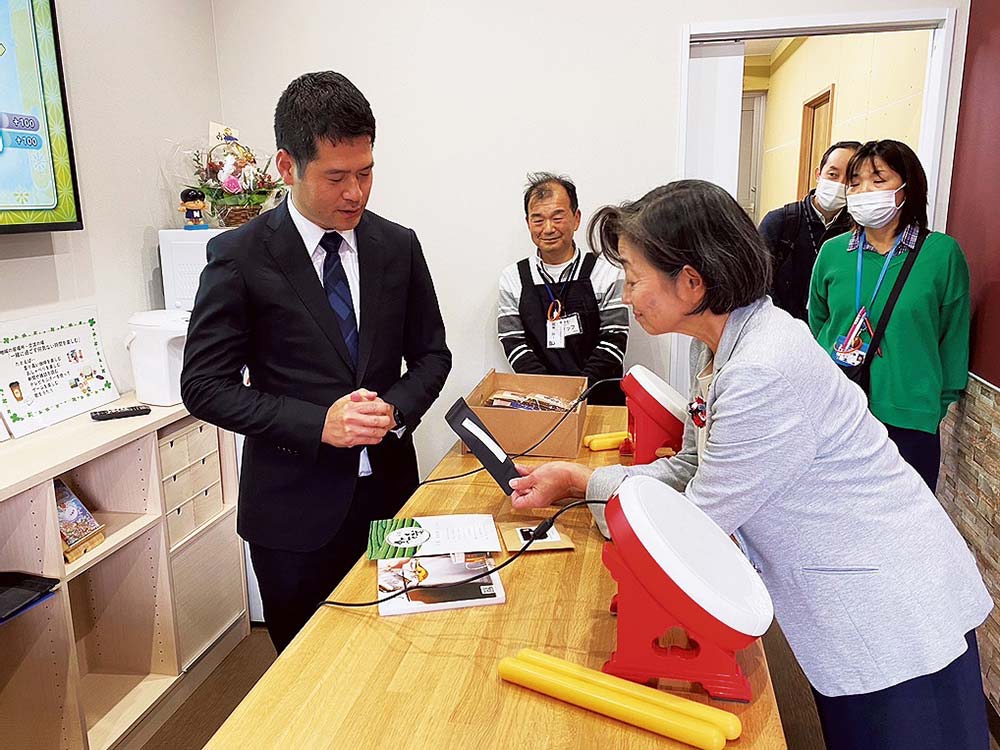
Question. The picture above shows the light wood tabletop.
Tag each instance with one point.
(352, 679)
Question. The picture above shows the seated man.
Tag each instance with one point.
(795, 232)
(561, 311)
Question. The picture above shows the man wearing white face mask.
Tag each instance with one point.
(890, 302)
(795, 232)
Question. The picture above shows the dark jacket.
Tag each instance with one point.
(261, 304)
(794, 234)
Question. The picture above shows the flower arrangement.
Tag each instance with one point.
(234, 184)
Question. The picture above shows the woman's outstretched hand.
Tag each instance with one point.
(544, 485)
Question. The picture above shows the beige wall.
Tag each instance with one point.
(756, 73)
(470, 96)
(879, 80)
(137, 74)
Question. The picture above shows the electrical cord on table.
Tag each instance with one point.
(544, 437)
(539, 533)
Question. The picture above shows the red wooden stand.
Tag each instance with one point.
(651, 426)
(644, 616)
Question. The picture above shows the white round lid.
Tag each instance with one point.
(162, 320)
(661, 390)
(697, 554)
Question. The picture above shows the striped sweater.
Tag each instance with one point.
(608, 281)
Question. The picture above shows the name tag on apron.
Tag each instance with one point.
(557, 330)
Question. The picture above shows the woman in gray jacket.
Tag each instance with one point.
(873, 586)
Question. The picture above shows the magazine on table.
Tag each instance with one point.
(425, 578)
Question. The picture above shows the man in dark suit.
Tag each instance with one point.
(323, 301)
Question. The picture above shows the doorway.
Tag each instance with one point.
(710, 138)
(707, 55)
(751, 153)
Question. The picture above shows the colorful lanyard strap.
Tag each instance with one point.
(555, 301)
(885, 267)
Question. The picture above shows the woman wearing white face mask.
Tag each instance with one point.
(920, 362)
(795, 232)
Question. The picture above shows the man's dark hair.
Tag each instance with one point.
(691, 223)
(192, 194)
(323, 105)
(901, 160)
(541, 184)
(852, 145)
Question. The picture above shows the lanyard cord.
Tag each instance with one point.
(565, 282)
(885, 267)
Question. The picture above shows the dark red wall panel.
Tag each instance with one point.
(974, 209)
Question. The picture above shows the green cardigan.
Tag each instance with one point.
(925, 362)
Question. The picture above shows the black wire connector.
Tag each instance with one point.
(540, 532)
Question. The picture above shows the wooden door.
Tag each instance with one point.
(817, 124)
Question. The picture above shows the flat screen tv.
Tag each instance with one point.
(38, 187)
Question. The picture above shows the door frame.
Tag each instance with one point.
(826, 96)
(942, 90)
(759, 113)
(942, 87)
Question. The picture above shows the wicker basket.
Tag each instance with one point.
(233, 216)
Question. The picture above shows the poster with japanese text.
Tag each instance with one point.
(51, 368)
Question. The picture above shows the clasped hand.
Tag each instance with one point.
(359, 418)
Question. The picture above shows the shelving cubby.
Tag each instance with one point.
(136, 623)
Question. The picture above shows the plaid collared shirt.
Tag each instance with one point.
(910, 236)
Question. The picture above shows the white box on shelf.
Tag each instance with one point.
(182, 257)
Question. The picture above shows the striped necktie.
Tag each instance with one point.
(338, 292)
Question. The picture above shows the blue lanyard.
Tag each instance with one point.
(881, 276)
(543, 274)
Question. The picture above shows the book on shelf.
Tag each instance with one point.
(79, 530)
(426, 580)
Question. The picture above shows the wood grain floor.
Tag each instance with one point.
(203, 713)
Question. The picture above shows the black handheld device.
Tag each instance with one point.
(483, 445)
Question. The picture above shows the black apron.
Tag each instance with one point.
(577, 297)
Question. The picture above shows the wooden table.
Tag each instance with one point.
(354, 680)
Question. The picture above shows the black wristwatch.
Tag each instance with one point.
(398, 416)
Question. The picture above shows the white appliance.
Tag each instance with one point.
(182, 257)
(253, 589)
(156, 346)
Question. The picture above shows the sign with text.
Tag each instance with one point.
(51, 368)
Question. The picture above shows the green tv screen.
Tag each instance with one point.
(38, 189)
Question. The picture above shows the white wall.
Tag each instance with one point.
(468, 96)
(471, 96)
(137, 74)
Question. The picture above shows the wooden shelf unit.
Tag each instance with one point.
(136, 623)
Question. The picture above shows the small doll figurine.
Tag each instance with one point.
(192, 204)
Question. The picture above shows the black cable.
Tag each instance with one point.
(545, 437)
(541, 530)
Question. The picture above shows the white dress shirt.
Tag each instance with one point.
(311, 235)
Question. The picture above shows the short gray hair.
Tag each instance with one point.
(540, 186)
(691, 223)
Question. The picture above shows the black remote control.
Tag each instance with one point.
(125, 411)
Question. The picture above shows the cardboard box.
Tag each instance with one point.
(517, 430)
